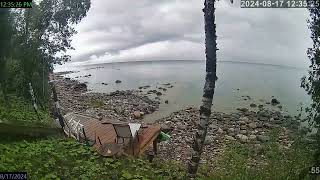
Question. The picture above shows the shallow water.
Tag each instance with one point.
(259, 81)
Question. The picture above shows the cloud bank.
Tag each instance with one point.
(126, 30)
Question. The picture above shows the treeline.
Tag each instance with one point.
(32, 41)
(311, 83)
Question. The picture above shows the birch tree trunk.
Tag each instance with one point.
(208, 90)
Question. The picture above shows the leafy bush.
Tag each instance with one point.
(67, 159)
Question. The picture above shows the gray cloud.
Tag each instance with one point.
(123, 30)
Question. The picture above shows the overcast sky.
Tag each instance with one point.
(126, 30)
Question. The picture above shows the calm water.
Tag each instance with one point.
(258, 81)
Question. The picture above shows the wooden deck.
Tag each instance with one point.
(104, 130)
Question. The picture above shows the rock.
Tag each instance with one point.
(243, 109)
(104, 83)
(118, 81)
(164, 89)
(220, 131)
(280, 107)
(243, 127)
(136, 114)
(213, 126)
(209, 140)
(252, 125)
(258, 148)
(80, 87)
(166, 101)
(260, 106)
(274, 101)
(263, 118)
(158, 93)
(231, 130)
(253, 105)
(157, 98)
(252, 137)
(230, 138)
(267, 125)
(263, 138)
(141, 113)
(242, 138)
(243, 131)
(243, 119)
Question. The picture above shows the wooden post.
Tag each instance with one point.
(155, 146)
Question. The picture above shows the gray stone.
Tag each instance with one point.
(231, 130)
(243, 127)
(242, 138)
(118, 81)
(252, 125)
(263, 138)
(213, 126)
(209, 140)
(220, 131)
(267, 125)
(230, 138)
(244, 119)
(252, 137)
(243, 132)
(243, 109)
(253, 105)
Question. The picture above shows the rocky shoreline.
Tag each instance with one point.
(247, 126)
(127, 105)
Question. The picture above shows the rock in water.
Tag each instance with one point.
(118, 81)
(80, 87)
(166, 101)
(253, 105)
(274, 101)
(243, 109)
(158, 93)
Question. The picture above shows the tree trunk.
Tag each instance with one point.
(208, 90)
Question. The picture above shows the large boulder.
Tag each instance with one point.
(274, 101)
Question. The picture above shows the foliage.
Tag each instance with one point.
(32, 40)
(240, 162)
(67, 159)
(311, 83)
(21, 112)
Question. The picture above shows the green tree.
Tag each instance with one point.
(311, 83)
(40, 38)
(5, 47)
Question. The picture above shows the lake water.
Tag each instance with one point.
(259, 81)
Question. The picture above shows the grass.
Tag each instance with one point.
(274, 163)
(97, 103)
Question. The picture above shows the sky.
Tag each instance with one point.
(145, 30)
